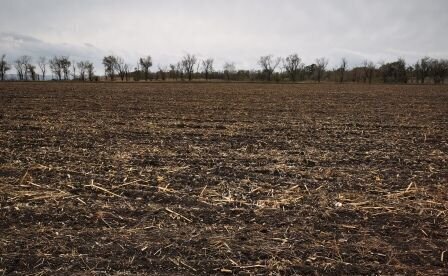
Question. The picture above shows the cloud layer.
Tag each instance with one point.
(238, 31)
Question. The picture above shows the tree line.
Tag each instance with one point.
(278, 69)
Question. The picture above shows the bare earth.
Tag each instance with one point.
(223, 178)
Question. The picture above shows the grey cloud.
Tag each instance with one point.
(232, 30)
(15, 45)
(19, 38)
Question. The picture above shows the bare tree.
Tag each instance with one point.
(292, 65)
(74, 70)
(198, 67)
(188, 62)
(269, 64)
(56, 68)
(207, 66)
(90, 70)
(22, 64)
(438, 70)
(180, 70)
(173, 72)
(383, 70)
(4, 67)
(444, 70)
(19, 69)
(32, 71)
(417, 71)
(137, 72)
(229, 68)
(65, 64)
(60, 66)
(120, 66)
(369, 69)
(424, 66)
(394, 71)
(146, 63)
(42, 63)
(321, 65)
(82, 70)
(127, 71)
(342, 68)
(109, 63)
(161, 73)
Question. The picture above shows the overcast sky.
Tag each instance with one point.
(235, 31)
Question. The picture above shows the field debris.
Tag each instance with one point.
(248, 179)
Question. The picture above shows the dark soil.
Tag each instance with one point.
(247, 179)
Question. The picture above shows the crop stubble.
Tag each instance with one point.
(223, 178)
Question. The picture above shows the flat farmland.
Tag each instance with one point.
(223, 178)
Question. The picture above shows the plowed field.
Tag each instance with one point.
(178, 178)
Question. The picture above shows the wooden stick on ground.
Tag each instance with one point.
(102, 189)
(177, 214)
